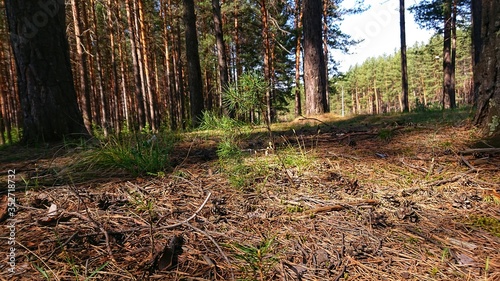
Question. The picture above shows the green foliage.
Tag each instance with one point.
(493, 125)
(429, 14)
(42, 271)
(247, 94)
(489, 224)
(230, 131)
(420, 106)
(136, 154)
(212, 121)
(296, 156)
(380, 79)
(228, 149)
(259, 260)
(240, 176)
(98, 132)
(385, 134)
(434, 271)
(294, 209)
(252, 173)
(13, 138)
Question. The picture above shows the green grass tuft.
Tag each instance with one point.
(136, 154)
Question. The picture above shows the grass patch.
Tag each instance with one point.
(139, 154)
(489, 224)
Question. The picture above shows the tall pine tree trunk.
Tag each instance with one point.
(487, 72)
(453, 102)
(325, 51)
(144, 64)
(193, 60)
(404, 68)
(114, 88)
(104, 103)
(45, 81)
(476, 8)
(448, 86)
(170, 82)
(139, 106)
(267, 59)
(81, 67)
(298, 27)
(123, 75)
(314, 61)
(221, 47)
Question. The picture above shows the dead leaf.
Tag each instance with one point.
(53, 218)
(52, 210)
(463, 259)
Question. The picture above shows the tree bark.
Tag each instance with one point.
(221, 47)
(448, 86)
(476, 8)
(487, 71)
(114, 81)
(314, 61)
(193, 60)
(46, 90)
(81, 66)
(103, 102)
(170, 82)
(404, 67)
(123, 75)
(139, 94)
(144, 64)
(298, 27)
(453, 103)
(326, 4)
(267, 60)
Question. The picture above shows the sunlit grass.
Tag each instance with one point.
(139, 154)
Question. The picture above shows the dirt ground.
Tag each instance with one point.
(374, 202)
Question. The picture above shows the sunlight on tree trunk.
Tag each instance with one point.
(404, 69)
(193, 60)
(487, 72)
(45, 80)
(448, 86)
(314, 61)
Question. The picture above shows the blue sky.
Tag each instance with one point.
(379, 27)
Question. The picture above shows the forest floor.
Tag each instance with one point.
(393, 197)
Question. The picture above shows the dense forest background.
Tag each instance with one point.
(375, 86)
(130, 64)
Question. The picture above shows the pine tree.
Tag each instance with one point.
(45, 80)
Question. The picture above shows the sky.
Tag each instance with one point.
(379, 27)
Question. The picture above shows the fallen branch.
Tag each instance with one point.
(213, 241)
(480, 150)
(344, 156)
(315, 119)
(467, 163)
(165, 226)
(413, 166)
(188, 219)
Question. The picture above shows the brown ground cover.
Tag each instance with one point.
(377, 201)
